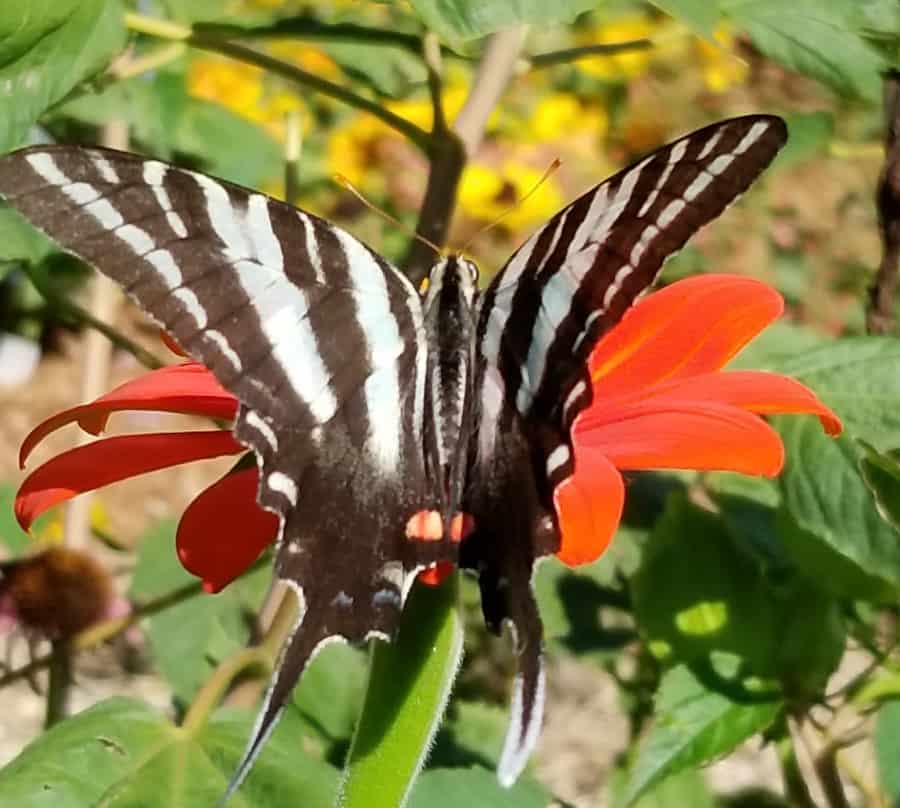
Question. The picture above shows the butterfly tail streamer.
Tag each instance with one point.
(296, 653)
(526, 712)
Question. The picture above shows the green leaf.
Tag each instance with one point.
(452, 788)
(693, 726)
(859, 378)
(700, 16)
(12, 537)
(809, 134)
(818, 39)
(226, 145)
(473, 732)
(190, 639)
(696, 596)
(330, 693)
(570, 600)
(19, 241)
(456, 20)
(828, 520)
(121, 754)
(686, 787)
(390, 71)
(881, 473)
(779, 343)
(152, 107)
(53, 48)
(409, 684)
(887, 749)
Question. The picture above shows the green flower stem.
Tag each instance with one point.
(59, 682)
(569, 55)
(235, 50)
(794, 784)
(409, 683)
(257, 660)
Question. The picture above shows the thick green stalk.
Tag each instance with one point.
(409, 683)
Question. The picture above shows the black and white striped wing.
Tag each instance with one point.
(538, 321)
(576, 276)
(320, 340)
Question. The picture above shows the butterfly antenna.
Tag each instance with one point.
(341, 180)
(551, 170)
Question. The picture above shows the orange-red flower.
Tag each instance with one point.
(661, 400)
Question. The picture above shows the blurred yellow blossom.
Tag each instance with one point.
(626, 64)
(722, 67)
(240, 88)
(487, 194)
(560, 115)
(313, 60)
(234, 84)
(351, 148)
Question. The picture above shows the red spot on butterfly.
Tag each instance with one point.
(425, 526)
(461, 526)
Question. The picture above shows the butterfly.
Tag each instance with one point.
(392, 430)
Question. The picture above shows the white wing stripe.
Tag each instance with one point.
(154, 175)
(675, 156)
(312, 248)
(266, 246)
(104, 168)
(710, 144)
(556, 300)
(755, 133)
(46, 166)
(384, 343)
(222, 218)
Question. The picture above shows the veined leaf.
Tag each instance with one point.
(693, 726)
(121, 753)
(50, 53)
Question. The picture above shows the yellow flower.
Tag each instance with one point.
(626, 64)
(560, 115)
(488, 194)
(240, 88)
(351, 147)
(236, 85)
(722, 68)
(311, 59)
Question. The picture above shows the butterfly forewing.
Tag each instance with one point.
(321, 341)
(577, 275)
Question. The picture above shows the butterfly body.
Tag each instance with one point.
(392, 431)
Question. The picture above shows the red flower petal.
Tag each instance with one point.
(436, 575)
(588, 506)
(756, 391)
(667, 434)
(187, 388)
(110, 460)
(223, 530)
(691, 327)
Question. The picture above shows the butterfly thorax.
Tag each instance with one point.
(449, 309)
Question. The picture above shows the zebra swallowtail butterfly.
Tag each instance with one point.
(380, 418)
